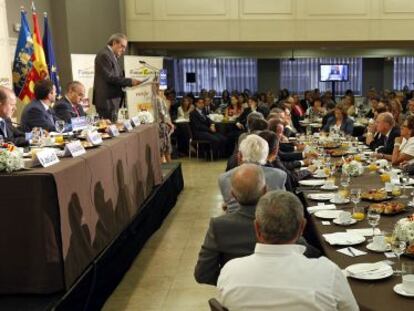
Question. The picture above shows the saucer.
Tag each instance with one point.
(337, 221)
(324, 187)
(371, 247)
(346, 201)
(400, 291)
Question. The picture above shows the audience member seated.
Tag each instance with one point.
(404, 145)
(373, 105)
(183, 112)
(9, 133)
(297, 111)
(255, 124)
(39, 112)
(241, 121)
(340, 122)
(70, 106)
(253, 149)
(277, 276)
(306, 101)
(235, 109)
(209, 105)
(389, 131)
(410, 107)
(232, 235)
(293, 176)
(204, 129)
(316, 109)
(330, 112)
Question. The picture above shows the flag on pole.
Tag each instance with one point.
(39, 67)
(22, 62)
(50, 55)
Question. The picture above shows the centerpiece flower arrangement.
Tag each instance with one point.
(11, 159)
(353, 168)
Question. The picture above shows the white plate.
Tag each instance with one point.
(320, 176)
(324, 187)
(384, 271)
(321, 196)
(346, 201)
(398, 288)
(338, 222)
(371, 247)
(328, 214)
(312, 182)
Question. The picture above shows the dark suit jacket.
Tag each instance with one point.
(14, 135)
(64, 110)
(243, 117)
(389, 142)
(230, 236)
(35, 115)
(199, 123)
(347, 125)
(108, 81)
(290, 156)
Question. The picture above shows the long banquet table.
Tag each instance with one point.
(370, 295)
(54, 221)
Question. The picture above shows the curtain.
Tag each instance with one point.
(303, 74)
(403, 72)
(215, 73)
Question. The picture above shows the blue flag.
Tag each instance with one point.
(22, 62)
(50, 56)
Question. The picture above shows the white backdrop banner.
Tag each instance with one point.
(83, 70)
(141, 98)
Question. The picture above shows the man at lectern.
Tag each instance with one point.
(109, 79)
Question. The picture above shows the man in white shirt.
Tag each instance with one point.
(277, 276)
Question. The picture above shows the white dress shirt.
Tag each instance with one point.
(407, 147)
(280, 277)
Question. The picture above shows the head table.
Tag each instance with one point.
(56, 220)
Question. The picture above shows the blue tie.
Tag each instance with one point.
(3, 128)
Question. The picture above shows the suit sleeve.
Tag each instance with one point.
(290, 156)
(63, 112)
(37, 118)
(197, 125)
(207, 269)
(105, 70)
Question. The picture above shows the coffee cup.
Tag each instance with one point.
(408, 277)
(378, 241)
(345, 217)
(408, 283)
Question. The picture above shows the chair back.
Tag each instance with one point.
(216, 306)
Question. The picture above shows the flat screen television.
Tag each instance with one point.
(333, 72)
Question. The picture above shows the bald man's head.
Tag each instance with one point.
(248, 184)
(7, 102)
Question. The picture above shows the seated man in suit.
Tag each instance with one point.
(39, 112)
(70, 106)
(204, 129)
(232, 235)
(7, 130)
(253, 149)
(277, 275)
(386, 126)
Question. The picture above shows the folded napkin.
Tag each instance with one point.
(364, 231)
(351, 252)
(341, 238)
(374, 268)
(313, 209)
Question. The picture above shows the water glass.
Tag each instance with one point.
(373, 217)
(345, 180)
(398, 248)
(404, 182)
(60, 126)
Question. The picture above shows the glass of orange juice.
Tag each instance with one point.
(59, 139)
(358, 213)
(372, 167)
(358, 157)
(385, 177)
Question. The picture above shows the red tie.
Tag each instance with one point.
(75, 110)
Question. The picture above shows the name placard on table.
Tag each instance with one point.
(79, 123)
(113, 130)
(47, 157)
(94, 138)
(135, 121)
(74, 149)
(128, 125)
